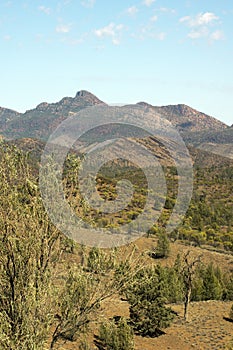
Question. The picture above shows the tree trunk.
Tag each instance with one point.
(186, 304)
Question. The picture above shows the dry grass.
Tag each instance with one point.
(206, 329)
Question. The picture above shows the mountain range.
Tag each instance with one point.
(197, 129)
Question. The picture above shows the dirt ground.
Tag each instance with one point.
(207, 327)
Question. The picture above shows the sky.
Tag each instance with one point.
(162, 52)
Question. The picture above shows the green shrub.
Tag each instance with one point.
(116, 336)
(147, 298)
(231, 313)
(163, 247)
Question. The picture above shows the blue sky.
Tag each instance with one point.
(162, 52)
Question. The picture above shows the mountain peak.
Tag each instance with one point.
(41, 121)
(189, 119)
(144, 104)
(87, 96)
(181, 109)
(83, 93)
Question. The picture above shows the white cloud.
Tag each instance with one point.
(197, 34)
(200, 19)
(161, 36)
(217, 35)
(149, 31)
(154, 18)
(148, 2)
(88, 3)
(7, 37)
(44, 9)
(8, 3)
(204, 32)
(112, 31)
(132, 10)
(72, 42)
(106, 31)
(158, 36)
(185, 19)
(167, 9)
(200, 26)
(116, 41)
(63, 28)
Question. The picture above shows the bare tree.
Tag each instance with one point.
(188, 273)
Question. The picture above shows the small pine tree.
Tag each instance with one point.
(229, 287)
(163, 246)
(231, 313)
(175, 286)
(212, 289)
(146, 296)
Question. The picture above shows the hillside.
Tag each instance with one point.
(7, 115)
(218, 142)
(201, 157)
(225, 150)
(79, 275)
(39, 122)
(187, 119)
(224, 136)
(206, 329)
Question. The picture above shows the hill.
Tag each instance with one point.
(7, 115)
(39, 122)
(187, 119)
(218, 142)
(206, 231)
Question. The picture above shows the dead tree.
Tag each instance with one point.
(188, 273)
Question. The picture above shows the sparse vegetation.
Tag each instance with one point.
(231, 313)
(116, 335)
(147, 299)
(52, 290)
(162, 249)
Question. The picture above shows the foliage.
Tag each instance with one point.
(84, 345)
(148, 313)
(28, 245)
(116, 336)
(162, 249)
(100, 276)
(231, 312)
(34, 300)
(209, 283)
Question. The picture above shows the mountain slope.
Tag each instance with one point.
(210, 136)
(217, 142)
(196, 127)
(39, 123)
(7, 115)
(225, 150)
(187, 119)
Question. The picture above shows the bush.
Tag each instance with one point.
(84, 345)
(116, 336)
(163, 247)
(146, 297)
(231, 313)
(208, 284)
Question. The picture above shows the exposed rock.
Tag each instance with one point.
(40, 122)
(7, 115)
